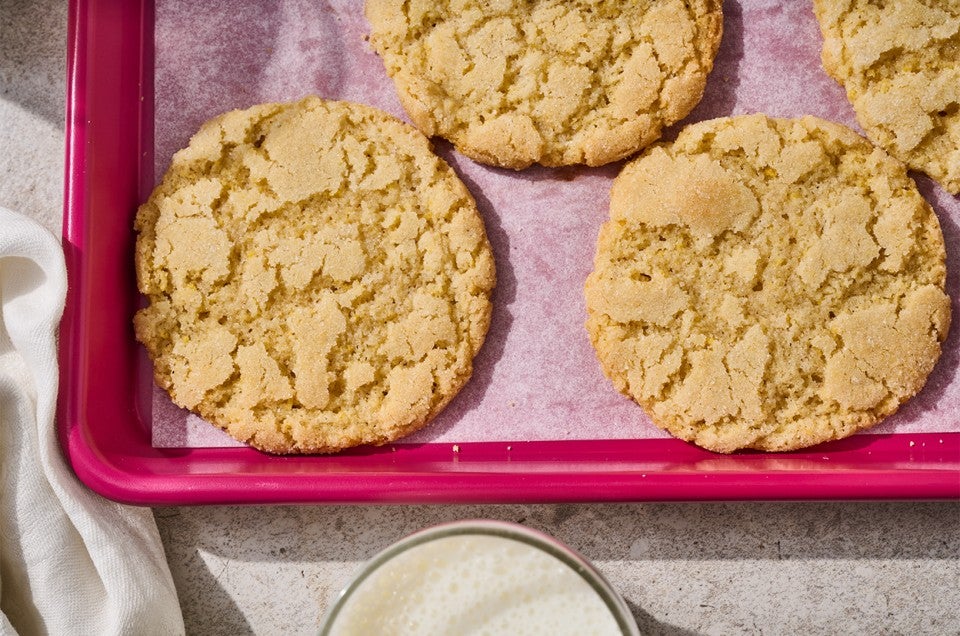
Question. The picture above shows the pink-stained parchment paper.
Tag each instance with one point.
(537, 377)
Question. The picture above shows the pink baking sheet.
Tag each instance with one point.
(104, 419)
(537, 377)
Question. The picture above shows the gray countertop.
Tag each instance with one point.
(817, 568)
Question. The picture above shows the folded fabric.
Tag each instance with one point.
(71, 562)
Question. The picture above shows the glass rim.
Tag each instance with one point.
(500, 529)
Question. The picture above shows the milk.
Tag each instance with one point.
(474, 585)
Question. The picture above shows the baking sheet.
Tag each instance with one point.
(537, 377)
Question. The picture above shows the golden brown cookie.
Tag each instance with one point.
(317, 277)
(900, 65)
(554, 82)
(767, 283)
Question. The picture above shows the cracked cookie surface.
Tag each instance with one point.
(900, 65)
(767, 283)
(317, 277)
(516, 82)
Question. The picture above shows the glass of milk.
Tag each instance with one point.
(478, 577)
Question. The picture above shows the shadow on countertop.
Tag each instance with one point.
(635, 545)
(33, 58)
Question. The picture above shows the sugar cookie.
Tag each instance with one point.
(554, 82)
(900, 65)
(767, 283)
(317, 277)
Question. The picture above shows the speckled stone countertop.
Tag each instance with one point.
(774, 568)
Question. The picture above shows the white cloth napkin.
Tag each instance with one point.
(71, 562)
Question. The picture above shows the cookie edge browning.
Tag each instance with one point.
(858, 421)
(144, 224)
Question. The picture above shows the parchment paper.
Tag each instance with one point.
(537, 377)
